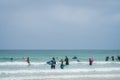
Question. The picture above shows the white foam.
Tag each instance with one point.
(59, 77)
(20, 63)
(42, 63)
(95, 62)
(104, 62)
(32, 71)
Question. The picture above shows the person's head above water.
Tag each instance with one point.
(53, 58)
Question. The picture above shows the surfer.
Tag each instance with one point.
(62, 65)
(112, 58)
(27, 60)
(66, 60)
(118, 57)
(107, 58)
(90, 61)
(74, 57)
(53, 63)
(11, 59)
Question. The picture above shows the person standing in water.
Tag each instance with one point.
(27, 60)
(62, 65)
(66, 60)
(118, 57)
(90, 61)
(53, 63)
(112, 58)
(107, 58)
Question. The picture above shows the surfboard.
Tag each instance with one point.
(49, 62)
(62, 67)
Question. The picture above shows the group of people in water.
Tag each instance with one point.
(66, 60)
(53, 62)
(112, 58)
(25, 59)
(91, 60)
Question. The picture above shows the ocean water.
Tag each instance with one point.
(18, 69)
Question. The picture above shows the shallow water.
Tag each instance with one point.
(18, 69)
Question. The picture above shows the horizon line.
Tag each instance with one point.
(59, 49)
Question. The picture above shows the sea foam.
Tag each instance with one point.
(43, 63)
(85, 70)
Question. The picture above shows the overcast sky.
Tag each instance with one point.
(59, 24)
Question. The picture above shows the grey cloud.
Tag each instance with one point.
(60, 24)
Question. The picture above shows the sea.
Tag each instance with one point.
(14, 67)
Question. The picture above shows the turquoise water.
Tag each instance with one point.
(18, 69)
(43, 55)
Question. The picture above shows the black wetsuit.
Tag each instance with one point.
(67, 61)
(53, 64)
(90, 62)
(107, 58)
(112, 58)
